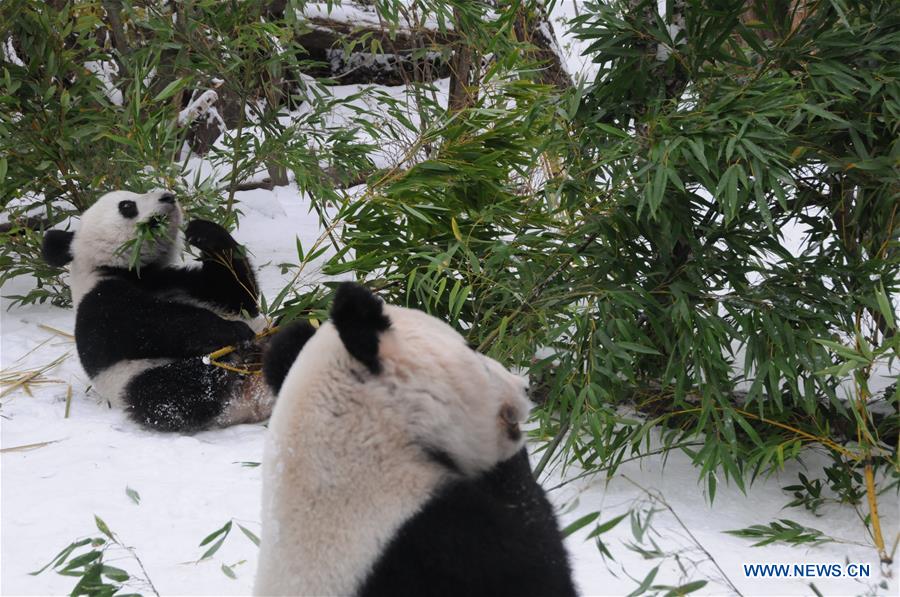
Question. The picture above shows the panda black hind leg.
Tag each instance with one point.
(189, 395)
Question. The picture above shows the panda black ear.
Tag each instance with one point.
(57, 247)
(282, 351)
(359, 317)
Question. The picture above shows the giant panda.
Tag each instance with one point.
(395, 465)
(142, 333)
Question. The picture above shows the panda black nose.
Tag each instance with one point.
(167, 198)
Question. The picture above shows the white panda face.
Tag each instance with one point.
(403, 374)
(113, 220)
(459, 401)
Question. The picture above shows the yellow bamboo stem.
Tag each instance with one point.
(873, 511)
(26, 447)
(816, 438)
(68, 401)
(56, 331)
(235, 369)
(220, 353)
(808, 436)
(226, 350)
(22, 382)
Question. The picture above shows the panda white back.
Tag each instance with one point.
(383, 408)
(341, 463)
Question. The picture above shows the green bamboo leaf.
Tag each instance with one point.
(226, 528)
(59, 558)
(645, 584)
(687, 588)
(634, 347)
(113, 573)
(171, 89)
(213, 548)
(884, 304)
(580, 523)
(606, 526)
(103, 527)
(250, 535)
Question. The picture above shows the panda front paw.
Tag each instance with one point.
(234, 333)
(244, 333)
(208, 236)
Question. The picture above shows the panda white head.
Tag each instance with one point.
(412, 372)
(106, 226)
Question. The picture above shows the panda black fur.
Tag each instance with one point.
(395, 466)
(141, 334)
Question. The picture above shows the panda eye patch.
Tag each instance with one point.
(128, 208)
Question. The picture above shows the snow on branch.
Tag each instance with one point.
(198, 107)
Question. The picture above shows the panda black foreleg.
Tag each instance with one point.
(490, 536)
(185, 395)
(226, 278)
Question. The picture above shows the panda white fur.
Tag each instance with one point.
(141, 334)
(394, 465)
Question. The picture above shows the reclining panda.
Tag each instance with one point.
(141, 333)
(394, 465)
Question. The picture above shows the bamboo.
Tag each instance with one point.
(226, 350)
(808, 436)
(873, 511)
(56, 331)
(235, 369)
(68, 402)
(23, 378)
(26, 447)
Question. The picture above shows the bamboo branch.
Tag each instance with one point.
(872, 497)
(227, 350)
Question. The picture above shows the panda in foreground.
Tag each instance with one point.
(141, 334)
(394, 465)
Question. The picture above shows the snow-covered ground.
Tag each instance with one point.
(58, 472)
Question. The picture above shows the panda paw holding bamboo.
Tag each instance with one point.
(143, 323)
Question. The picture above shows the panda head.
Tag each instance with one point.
(456, 406)
(108, 224)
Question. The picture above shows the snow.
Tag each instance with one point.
(569, 47)
(106, 71)
(8, 51)
(199, 106)
(359, 14)
(677, 484)
(57, 472)
(190, 485)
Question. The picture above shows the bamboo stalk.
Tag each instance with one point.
(808, 436)
(235, 369)
(815, 438)
(33, 350)
(226, 350)
(56, 331)
(21, 379)
(873, 511)
(26, 447)
(68, 401)
(20, 382)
